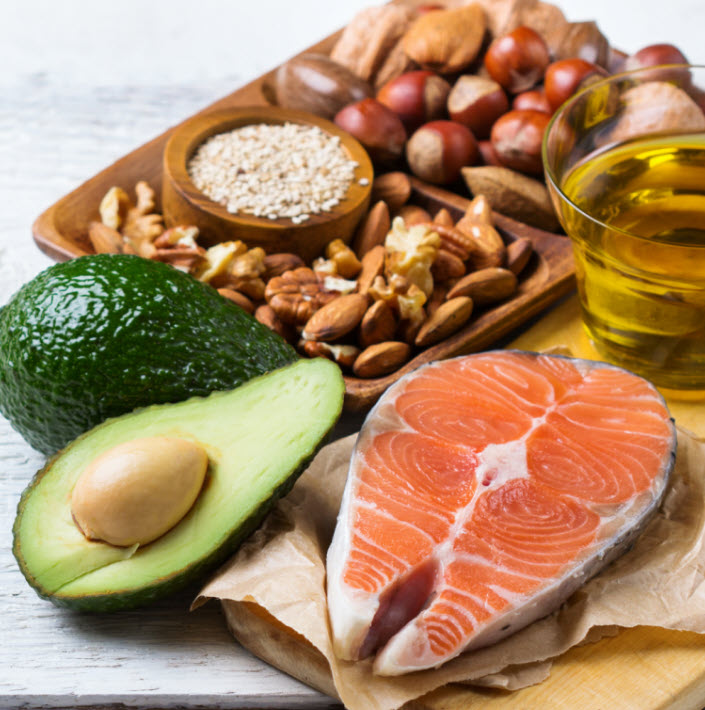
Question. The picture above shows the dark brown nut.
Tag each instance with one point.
(448, 318)
(436, 299)
(238, 299)
(444, 218)
(566, 77)
(317, 84)
(377, 127)
(513, 194)
(477, 102)
(373, 229)
(393, 188)
(105, 239)
(532, 100)
(377, 325)
(447, 267)
(659, 54)
(409, 328)
(381, 359)
(417, 97)
(267, 316)
(343, 355)
(277, 264)
(518, 254)
(337, 318)
(446, 41)
(413, 214)
(438, 150)
(487, 153)
(486, 286)
(517, 137)
(518, 59)
(372, 267)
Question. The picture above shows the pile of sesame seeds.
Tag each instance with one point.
(276, 171)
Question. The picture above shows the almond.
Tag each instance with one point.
(337, 318)
(343, 355)
(446, 320)
(373, 230)
(381, 359)
(266, 315)
(437, 298)
(444, 218)
(486, 286)
(393, 188)
(238, 298)
(372, 267)
(518, 254)
(485, 245)
(377, 325)
(447, 267)
(413, 214)
(105, 239)
(446, 41)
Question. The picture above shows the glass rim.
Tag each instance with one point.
(564, 107)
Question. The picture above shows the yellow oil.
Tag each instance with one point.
(640, 262)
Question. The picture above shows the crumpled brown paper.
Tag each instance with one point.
(280, 573)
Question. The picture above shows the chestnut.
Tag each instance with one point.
(477, 102)
(417, 97)
(518, 59)
(534, 99)
(566, 76)
(655, 55)
(488, 155)
(438, 150)
(377, 127)
(516, 138)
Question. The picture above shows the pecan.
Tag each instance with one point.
(277, 264)
(296, 295)
(446, 320)
(452, 240)
(176, 246)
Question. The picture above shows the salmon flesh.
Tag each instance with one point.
(482, 492)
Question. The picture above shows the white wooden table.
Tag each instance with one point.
(81, 84)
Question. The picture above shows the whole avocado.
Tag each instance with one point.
(98, 336)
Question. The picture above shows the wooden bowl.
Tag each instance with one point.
(183, 203)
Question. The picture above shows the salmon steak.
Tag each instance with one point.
(482, 492)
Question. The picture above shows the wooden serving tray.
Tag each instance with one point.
(61, 231)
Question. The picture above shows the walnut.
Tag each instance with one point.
(177, 246)
(296, 295)
(232, 265)
(404, 297)
(410, 253)
(113, 207)
(346, 262)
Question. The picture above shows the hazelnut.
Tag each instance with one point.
(567, 76)
(518, 59)
(138, 490)
(532, 100)
(438, 150)
(477, 102)
(377, 127)
(416, 97)
(517, 137)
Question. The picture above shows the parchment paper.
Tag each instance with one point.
(659, 582)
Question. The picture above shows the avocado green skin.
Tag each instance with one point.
(117, 601)
(99, 336)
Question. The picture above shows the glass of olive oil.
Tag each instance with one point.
(625, 165)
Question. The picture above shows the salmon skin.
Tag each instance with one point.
(482, 492)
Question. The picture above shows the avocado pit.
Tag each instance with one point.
(138, 490)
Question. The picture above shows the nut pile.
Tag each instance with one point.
(408, 280)
(460, 90)
(274, 171)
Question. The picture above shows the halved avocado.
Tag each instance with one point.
(259, 438)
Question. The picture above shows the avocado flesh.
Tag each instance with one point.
(259, 437)
(99, 336)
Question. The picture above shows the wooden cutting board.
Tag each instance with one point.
(642, 668)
